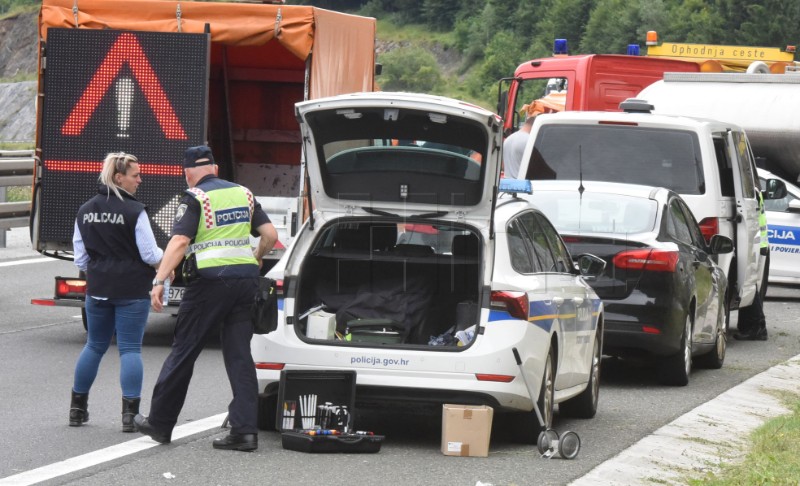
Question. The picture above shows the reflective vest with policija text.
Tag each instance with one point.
(762, 220)
(223, 233)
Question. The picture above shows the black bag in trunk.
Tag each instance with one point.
(265, 307)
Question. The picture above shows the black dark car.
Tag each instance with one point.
(664, 294)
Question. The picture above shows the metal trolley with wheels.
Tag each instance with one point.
(550, 443)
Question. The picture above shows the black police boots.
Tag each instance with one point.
(78, 409)
(130, 407)
(237, 442)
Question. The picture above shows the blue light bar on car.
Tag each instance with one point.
(560, 47)
(633, 50)
(516, 186)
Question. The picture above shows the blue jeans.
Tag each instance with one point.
(126, 317)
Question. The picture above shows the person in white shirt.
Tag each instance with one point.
(514, 147)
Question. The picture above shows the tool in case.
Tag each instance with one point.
(316, 413)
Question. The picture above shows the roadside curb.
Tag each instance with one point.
(715, 432)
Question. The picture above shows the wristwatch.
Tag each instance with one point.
(157, 282)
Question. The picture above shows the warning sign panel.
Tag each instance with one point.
(143, 93)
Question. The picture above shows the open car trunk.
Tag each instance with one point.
(392, 283)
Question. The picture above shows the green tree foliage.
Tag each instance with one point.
(613, 25)
(503, 55)
(439, 14)
(11, 6)
(409, 69)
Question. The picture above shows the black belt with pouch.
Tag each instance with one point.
(265, 307)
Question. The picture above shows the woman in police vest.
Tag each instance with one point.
(114, 244)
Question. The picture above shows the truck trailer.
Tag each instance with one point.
(153, 77)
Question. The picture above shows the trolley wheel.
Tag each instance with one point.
(547, 439)
(569, 445)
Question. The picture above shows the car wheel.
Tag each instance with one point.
(547, 392)
(584, 405)
(675, 369)
(267, 410)
(716, 357)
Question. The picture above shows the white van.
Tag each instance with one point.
(709, 163)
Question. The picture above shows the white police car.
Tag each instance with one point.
(783, 232)
(414, 272)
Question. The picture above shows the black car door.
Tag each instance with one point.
(702, 269)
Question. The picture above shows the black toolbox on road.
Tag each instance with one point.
(352, 443)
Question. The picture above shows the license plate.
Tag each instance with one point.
(176, 294)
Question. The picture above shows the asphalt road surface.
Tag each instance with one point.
(39, 346)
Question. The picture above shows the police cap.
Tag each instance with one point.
(197, 156)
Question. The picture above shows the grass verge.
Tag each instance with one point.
(773, 458)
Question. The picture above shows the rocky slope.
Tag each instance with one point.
(18, 46)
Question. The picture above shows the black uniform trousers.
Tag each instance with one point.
(206, 304)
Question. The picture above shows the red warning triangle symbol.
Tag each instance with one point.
(126, 49)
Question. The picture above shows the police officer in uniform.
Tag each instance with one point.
(212, 228)
(114, 244)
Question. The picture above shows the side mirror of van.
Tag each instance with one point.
(590, 266)
(720, 244)
(774, 189)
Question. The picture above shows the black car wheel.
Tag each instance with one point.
(547, 391)
(716, 357)
(675, 369)
(584, 405)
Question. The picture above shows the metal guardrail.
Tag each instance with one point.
(16, 169)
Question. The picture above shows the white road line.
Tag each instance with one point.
(24, 262)
(94, 458)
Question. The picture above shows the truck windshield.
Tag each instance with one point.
(635, 155)
(551, 93)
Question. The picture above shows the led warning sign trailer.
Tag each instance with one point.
(144, 93)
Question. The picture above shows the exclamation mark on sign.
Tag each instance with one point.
(124, 89)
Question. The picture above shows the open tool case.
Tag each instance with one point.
(334, 387)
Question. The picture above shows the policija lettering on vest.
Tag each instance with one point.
(112, 218)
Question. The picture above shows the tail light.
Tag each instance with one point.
(709, 227)
(647, 259)
(279, 287)
(70, 288)
(498, 378)
(270, 366)
(515, 303)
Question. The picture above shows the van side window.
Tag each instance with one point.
(724, 166)
(677, 227)
(745, 164)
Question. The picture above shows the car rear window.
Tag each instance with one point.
(571, 212)
(634, 155)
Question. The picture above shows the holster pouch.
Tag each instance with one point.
(265, 307)
(189, 271)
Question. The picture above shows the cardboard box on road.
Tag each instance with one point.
(466, 430)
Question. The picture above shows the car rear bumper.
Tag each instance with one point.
(394, 375)
(637, 330)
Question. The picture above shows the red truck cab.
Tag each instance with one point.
(582, 82)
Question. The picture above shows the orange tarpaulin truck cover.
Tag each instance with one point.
(342, 44)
